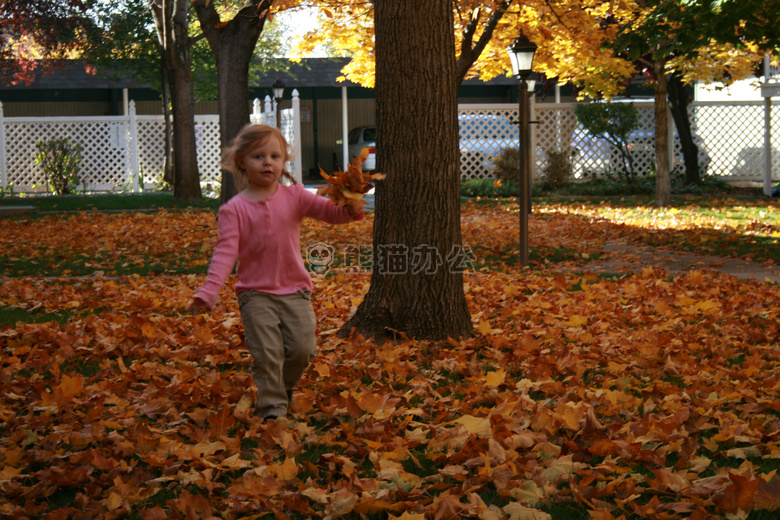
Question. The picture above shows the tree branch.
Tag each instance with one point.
(469, 54)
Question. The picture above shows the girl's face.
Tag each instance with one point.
(263, 165)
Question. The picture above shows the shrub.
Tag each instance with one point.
(61, 162)
(558, 170)
(506, 165)
(613, 122)
(488, 188)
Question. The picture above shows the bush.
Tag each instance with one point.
(61, 162)
(558, 170)
(506, 165)
(613, 122)
(488, 188)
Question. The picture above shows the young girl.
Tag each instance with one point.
(260, 227)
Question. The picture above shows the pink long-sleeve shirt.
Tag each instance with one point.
(265, 238)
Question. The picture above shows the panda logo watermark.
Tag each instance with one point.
(320, 257)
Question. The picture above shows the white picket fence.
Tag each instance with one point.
(125, 153)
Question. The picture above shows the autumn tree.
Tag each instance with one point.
(233, 42)
(665, 38)
(417, 280)
(34, 29)
(569, 36)
(171, 20)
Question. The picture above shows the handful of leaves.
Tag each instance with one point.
(347, 188)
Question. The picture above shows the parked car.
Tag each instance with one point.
(594, 155)
(641, 146)
(358, 138)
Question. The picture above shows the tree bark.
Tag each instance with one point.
(168, 170)
(233, 44)
(171, 21)
(417, 276)
(663, 180)
(678, 99)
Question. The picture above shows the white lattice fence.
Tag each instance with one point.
(484, 131)
(207, 141)
(734, 137)
(729, 136)
(558, 131)
(124, 153)
(151, 149)
(104, 157)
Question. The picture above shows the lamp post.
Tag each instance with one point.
(278, 90)
(521, 54)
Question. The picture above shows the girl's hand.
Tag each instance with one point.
(354, 212)
(198, 306)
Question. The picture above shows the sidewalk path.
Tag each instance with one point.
(625, 257)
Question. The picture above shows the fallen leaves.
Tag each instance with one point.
(651, 396)
(347, 188)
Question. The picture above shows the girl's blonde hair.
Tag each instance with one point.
(247, 138)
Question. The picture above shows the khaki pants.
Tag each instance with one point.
(280, 335)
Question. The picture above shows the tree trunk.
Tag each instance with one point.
(233, 45)
(663, 180)
(186, 178)
(171, 20)
(678, 99)
(168, 163)
(417, 276)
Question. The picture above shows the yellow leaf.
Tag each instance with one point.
(495, 379)
(517, 511)
(409, 516)
(316, 494)
(561, 467)
(114, 501)
(322, 369)
(479, 426)
(70, 387)
(243, 406)
(577, 321)
(530, 494)
(287, 470)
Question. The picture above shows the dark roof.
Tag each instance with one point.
(74, 75)
(309, 72)
(324, 72)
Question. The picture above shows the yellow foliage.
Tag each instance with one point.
(569, 35)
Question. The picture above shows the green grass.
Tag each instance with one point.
(54, 265)
(12, 315)
(108, 202)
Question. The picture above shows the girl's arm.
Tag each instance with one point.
(222, 261)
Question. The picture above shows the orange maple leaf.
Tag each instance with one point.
(347, 188)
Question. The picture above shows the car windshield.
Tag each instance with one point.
(369, 134)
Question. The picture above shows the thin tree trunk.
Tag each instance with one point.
(186, 179)
(170, 18)
(168, 168)
(417, 277)
(233, 44)
(663, 180)
(678, 99)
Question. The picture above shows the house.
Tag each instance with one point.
(71, 91)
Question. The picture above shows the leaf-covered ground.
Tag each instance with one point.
(590, 395)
